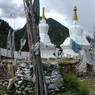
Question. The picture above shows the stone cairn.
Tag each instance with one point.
(53, 78)
(24, 80)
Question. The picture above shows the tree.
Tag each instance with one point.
(32, 15)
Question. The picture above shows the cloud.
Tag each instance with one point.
(86, 13)
(16, 23)
(20, 22)
(13, 10)
(60, 18)
(60, 8)
(11, 7)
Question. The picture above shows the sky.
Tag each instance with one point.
(61, 10)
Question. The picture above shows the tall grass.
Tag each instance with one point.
(71, 83)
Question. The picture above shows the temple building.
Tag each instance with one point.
(46, 47)
(73, 45)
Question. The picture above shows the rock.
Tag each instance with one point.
(11, 82)
(47, 81)
(25, 79)
(52, 87)
(20, 75)
(19, 92)
(26, 89)
(0, 83)
(53, 78)
(23, 82)
(25, 93)
(5, 83)
(34, 78)
(20, 82)
(23, 65)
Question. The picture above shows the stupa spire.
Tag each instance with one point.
(43, 13)
(75, 14)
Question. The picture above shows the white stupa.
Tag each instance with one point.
(76, 34)
(47, 48)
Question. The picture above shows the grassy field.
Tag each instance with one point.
(2, 90)
(66, 93)
(90, 83)
(56, 60)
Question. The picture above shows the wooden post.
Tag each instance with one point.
(32, 15)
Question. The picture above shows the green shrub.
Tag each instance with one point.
(72, 84)
(2, 90)
(83, 89)
(88, 38)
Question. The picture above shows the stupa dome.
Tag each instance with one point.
(76, 30)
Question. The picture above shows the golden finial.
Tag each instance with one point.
(75, 13)
(43, 13)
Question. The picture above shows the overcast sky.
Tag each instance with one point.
(61, 10)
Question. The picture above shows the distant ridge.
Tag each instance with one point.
(57, 33)
(4, 29)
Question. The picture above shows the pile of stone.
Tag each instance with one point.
(24, 80)
(3, 82)
(53, 78)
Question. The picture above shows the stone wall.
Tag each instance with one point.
(24, 79)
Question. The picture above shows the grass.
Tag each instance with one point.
(2, 90)
(66, 93)
(72, 84)
(90, 83)
(57, 60)
(65, 59)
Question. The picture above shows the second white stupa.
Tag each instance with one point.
(76, 36)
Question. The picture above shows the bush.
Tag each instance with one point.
(3, 90)
(88, 38)
(72, 84)
(83, 89)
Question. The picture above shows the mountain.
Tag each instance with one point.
(20, 34)
(4, 28)
(57, 33)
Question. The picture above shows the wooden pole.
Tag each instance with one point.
(32, 15)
